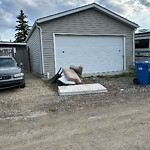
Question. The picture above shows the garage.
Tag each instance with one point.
(93, 36)
(97, 53)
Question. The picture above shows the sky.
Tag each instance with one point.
(137, 11)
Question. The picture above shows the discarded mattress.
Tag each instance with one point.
(81, 89)
(71, 75)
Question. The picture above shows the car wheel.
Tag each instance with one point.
(23, 85)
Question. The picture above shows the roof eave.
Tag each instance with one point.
(12, 43)
(116, 16)
(31, 31)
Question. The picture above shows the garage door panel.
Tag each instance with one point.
(95, 53)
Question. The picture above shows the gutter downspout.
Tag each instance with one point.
(124, 53)
(41, 44)
(133, 46)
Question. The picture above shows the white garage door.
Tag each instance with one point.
(97, 54)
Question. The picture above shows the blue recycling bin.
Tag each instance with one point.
(143, 72)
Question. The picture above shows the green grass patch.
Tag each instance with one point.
(130, 73)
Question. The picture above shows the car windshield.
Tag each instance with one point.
(7, 62)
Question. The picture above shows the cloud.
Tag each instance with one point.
(7, 34)
(145, 2)
(135, 10)
(5, 18)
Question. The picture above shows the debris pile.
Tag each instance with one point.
(68, 76)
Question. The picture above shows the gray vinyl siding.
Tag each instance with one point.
(86, 22)
(35, 52)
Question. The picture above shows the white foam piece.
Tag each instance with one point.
(65, 81)
(81, 89)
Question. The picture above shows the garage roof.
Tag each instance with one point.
(79, 9)
(94, 6)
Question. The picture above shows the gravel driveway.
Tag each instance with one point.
(17, 100)
(37, 118)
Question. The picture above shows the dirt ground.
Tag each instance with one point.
(37, 118)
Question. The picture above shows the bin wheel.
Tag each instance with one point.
(135, 81)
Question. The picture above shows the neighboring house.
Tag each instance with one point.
(17, 50)
(92, 36)
(142, 46)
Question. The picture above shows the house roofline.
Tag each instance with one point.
(12, 43)
(142, 33)
(82, 8)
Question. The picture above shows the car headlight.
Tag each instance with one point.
(18, 75)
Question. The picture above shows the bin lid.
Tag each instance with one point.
(143, 62)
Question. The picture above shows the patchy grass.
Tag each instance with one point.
(125, 74)
(130, 73)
